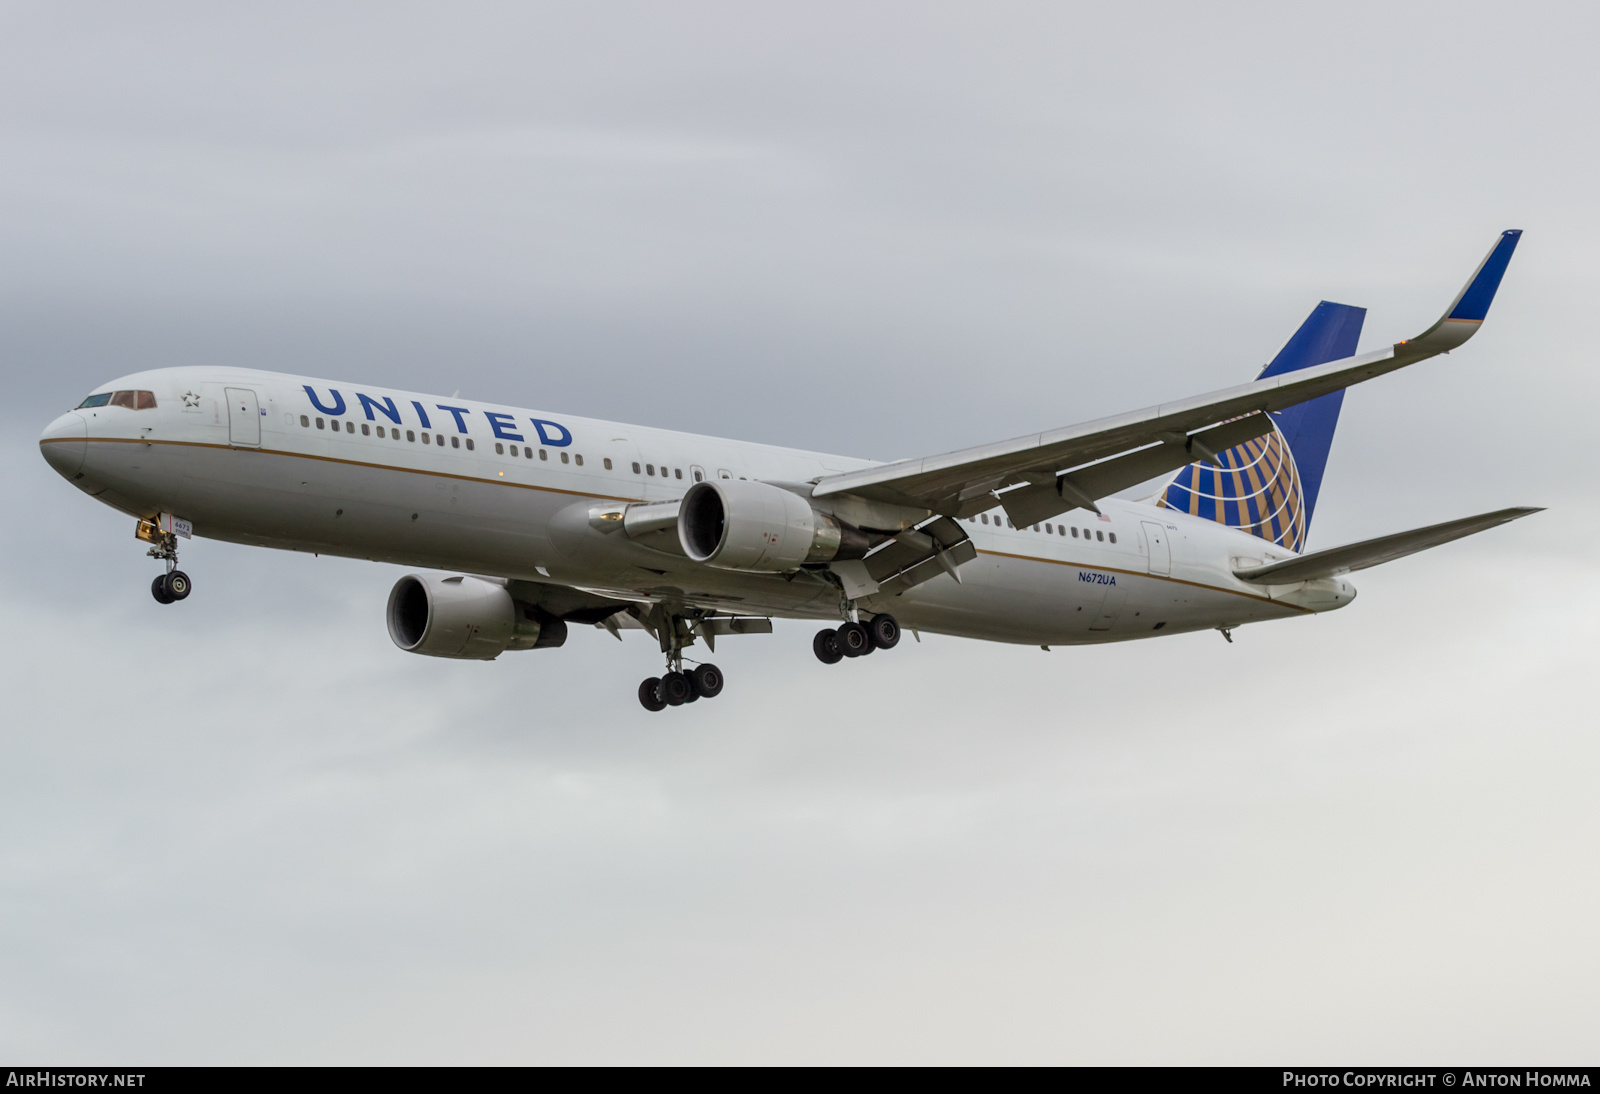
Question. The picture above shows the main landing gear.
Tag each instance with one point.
(174, 584)
(881, 632)
(676, 687)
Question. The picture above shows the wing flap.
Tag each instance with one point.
(920, 554)
(1374, 552)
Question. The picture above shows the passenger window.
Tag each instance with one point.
(349, 427)
(1074, 533)
(543, 455)
(469, 444)
(577, 458)
(697, 472)
(563, 455)
(425, 439)
(499, 449)
(527, 453)
(366, 430)
(984, 517)
(305, 423)
(321, 424)
(677, 472)
(1035, 527)
(145, 400)
(95, 400)
(381, 433)
(455, 442)
(395, 434)
(438, 439)
(514, 451)
(1009, 524)
(410, 436)
(1101, 536)
(649, 469)
(723, 474)
(1049, 531)
(1113, 537)
(122, 398)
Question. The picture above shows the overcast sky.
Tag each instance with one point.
(248, 829)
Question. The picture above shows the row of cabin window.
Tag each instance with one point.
(1049, 528)
(696, 473)
(438, 438)
(527, 453)
(366, 431)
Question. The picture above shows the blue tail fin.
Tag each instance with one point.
(1269, 486)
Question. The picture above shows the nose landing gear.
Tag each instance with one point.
(174, 584)
(170, 586)
(881, 632)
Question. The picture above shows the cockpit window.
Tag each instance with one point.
(133, 400)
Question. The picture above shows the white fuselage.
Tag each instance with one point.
(261, 470)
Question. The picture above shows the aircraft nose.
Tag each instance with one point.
(64, 442)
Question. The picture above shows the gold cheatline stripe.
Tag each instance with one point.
(1152, 577)
(333, 459)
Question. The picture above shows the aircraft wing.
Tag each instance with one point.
(1372, 552)
(1042, 474)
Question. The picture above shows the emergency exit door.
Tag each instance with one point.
(244, 418)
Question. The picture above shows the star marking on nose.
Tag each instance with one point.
(190, 398)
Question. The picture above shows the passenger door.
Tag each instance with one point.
(1160, 552)
(244, 418)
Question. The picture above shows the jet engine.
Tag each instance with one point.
(466, 617)
(734, 524)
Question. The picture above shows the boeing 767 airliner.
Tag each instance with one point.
(554, 521)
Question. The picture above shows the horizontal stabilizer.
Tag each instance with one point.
(1372, 552)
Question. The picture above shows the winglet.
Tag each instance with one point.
(1466, 313)
(1473, 303)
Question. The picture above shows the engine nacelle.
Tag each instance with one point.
(466, 617)
(734, 524)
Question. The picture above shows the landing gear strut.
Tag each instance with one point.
(881, 632)
(174, 584)
(676, 687)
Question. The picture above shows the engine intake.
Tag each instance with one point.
(466, 617)
(739, 525)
